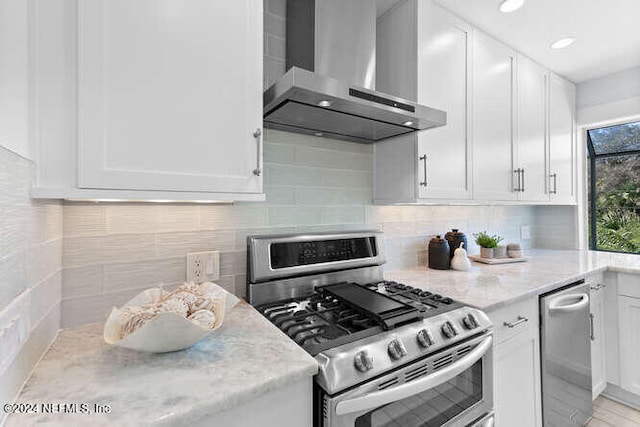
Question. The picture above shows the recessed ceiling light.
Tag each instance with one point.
(562, 43)
(408, 123)
(324, 103)
(318, 134)
(510, 5)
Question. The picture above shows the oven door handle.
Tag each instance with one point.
(380, 398)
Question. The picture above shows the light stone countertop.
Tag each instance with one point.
(489, 287)
(245, 358)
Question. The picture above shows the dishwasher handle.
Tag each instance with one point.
(559, 304)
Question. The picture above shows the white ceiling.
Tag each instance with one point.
(607, 32)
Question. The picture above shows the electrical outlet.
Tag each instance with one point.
(203, 266)
(525, 232)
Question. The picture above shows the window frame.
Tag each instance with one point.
(592, 158)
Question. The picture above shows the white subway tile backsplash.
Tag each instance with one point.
(92, 308)
(230, 217)
(178, 218)
(275, 25)
(233, 263)
(132, 218)
(175, 245)
(280, 194)
(346, 178)
(12, 277)
(30, 279)
(276, 46)
(44, 296)
(227, 282)
(82, 281)
(241, 234)
(44, 260)
(277, 174)
(293, 215)
(240, 285)
(318, 196)
(312, 185)
(279, 153)
(134, 275)
(343, 215)
(277, 7)
(84, 219)
(332, 159)
(298, 140)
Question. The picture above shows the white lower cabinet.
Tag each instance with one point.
(289, 406)
(517, 365)
(629, 321)
(598, 365)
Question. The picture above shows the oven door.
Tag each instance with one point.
(451, 387)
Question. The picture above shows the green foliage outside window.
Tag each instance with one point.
(617, 188)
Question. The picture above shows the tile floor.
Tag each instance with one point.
(609, 413)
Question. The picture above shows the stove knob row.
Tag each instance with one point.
(425, 338)
(448, 330)
(396, 349)
(470, 321)
(363, 362)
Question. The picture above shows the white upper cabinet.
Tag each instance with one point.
(443, 61)
(561, 140)
(169, 101)
(531, 131)
(493, 98)
(432, 69)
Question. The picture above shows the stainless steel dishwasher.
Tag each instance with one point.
(565, 347)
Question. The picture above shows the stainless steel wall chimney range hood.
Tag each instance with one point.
(328, 89)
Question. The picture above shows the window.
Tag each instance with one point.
(614, 196)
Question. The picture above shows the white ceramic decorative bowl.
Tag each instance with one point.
(167, 331)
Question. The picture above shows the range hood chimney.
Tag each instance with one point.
(329, 87)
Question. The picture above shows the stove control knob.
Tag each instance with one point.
(448, 330)
(363, 362)
(470, 321)
(396, 349)
(425, 338)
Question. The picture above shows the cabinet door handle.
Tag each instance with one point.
(257, 134)
(591, 325)
(518, 185)
(521, 319)
(424, 159)
(522, 185)
(555, 183)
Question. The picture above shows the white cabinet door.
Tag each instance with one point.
(443, 60)
(598, 367)
(561, 140)
(629, 309)
(493, 82)
(531, 128)
(170, 95)
(517, 381)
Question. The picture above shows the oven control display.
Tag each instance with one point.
(314, 252)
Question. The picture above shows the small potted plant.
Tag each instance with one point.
(487, 243)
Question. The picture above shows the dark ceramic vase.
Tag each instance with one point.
(454, 238)
(439, 254)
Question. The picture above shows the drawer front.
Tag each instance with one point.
(629, 285)
(514, 319)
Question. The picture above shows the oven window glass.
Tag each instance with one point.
(433, 407)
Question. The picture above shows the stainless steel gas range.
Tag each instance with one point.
(388, 354)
